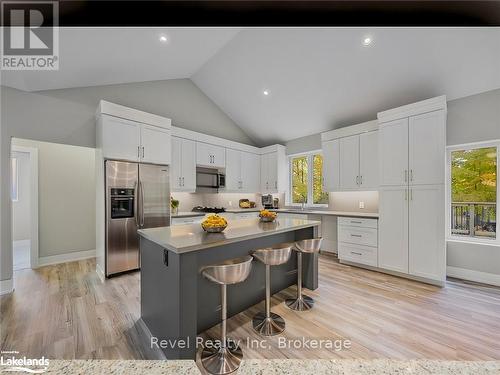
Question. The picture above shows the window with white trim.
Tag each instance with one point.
(306, 180)
(473, 191)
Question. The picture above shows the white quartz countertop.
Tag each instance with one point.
(192, 237)
(327, 212)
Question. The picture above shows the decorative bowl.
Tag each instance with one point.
(217, 229)
(267, 219)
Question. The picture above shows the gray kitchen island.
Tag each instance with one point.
(178, 303)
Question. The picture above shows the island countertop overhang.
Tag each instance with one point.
(186, 238)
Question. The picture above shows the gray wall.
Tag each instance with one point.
(67, 117)
(66, 197)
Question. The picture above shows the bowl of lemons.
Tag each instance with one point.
(267, 216)
(214, 224)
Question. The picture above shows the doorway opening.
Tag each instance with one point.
(24, 196)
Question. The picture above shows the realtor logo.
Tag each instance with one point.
(30, 35)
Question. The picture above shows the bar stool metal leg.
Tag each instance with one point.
(227, 358)
(268, 323)
(302, 302)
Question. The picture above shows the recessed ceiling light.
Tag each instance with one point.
(163, 39)
(265, 92)
(367, 41)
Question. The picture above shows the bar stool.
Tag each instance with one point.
(225, 359)
(268, 323)
(303, 302)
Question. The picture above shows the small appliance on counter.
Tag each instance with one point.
(276, 203)
(213, 210)
(267, 201)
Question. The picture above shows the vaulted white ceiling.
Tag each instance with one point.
(317, 78)
(103, 56)
(320, 79)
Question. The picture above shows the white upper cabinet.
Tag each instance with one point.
(233, 170)
(183, 170)
(427, 144)
(349, 163)
(242, 171)
(119, 138)
(368, 161)
(129, 134)
(393, 152)
(123, 139)
(250, 172)
(273, 171)
(350, 157)
(331, 165)
(208, 155)
(155, 145)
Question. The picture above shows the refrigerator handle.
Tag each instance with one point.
(142, 202)
(136, 204)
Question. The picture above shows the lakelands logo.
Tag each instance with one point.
(30, 35)
(8, 362)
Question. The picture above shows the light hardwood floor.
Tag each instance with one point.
(64, 312)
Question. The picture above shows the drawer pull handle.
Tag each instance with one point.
(356, 222)
(356, 235)
(353, 252)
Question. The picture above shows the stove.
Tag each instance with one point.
(214, 210)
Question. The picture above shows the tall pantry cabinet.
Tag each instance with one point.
(412, 169)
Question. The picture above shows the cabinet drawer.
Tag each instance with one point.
(358, 222)
(187, 220)
(358, 235)
(358, 254)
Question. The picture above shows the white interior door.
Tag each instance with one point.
(120, 138)
(368, 160)
(233, 170)
(155, 143)
(393, 153)
(393, 229)
(427, 145)
(427, 248)
(331, 165)
(188, 165)
(176, 167)
(349, 162)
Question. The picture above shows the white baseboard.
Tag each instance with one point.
(68, 257)
(471, 275)
(6, 286)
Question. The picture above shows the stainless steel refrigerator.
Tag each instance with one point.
(137, 196)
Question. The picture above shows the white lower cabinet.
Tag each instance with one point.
(393, 229)
(412, 231)
(427, 255)
(358, 240)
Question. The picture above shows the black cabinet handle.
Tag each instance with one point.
(165, 257)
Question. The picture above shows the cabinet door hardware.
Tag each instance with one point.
(138, 152)
(357, 180)
(356, 222)
(182, 181)
(165, 257)
(356, 235)
(406, 175)
(356, 253)
(411, 174)
(411, 194)
(143, 152)
(361, 180)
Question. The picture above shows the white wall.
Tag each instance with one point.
(21, 208)
(66, 197)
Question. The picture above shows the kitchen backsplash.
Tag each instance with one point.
(338, 201)
(228, 200)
